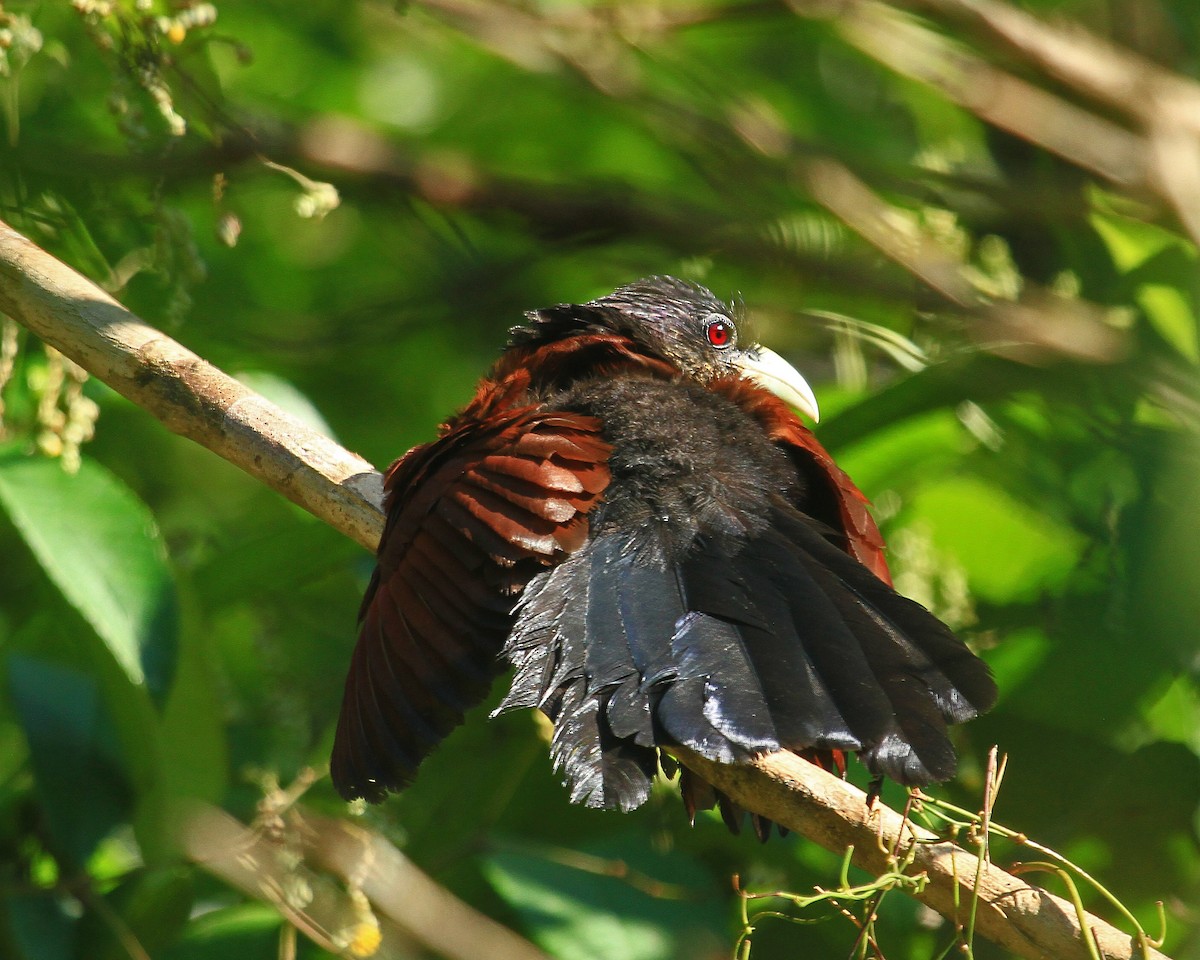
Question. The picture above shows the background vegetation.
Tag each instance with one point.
(985, 261)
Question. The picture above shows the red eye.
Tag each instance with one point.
(720, 333)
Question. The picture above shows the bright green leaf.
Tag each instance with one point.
(1131, 242)
(100, 546)
(904, 453)
(1170, 312)
(1175, 713)
(1008, 550)
(1021, 654)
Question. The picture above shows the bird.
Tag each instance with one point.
(633, 516)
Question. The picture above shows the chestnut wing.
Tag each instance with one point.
(471, 518)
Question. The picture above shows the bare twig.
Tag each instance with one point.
(911, 48)
(1037, 324)
(404, 893)
(1162, 156)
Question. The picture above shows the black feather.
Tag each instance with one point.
(911, 656)
(572, 660)
(969, 688)
(712, 659)
(761, 577)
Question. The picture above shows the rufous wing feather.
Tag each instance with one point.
(471, 518)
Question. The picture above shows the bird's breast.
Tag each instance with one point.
(685, 462)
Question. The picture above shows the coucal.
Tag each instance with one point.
(630, 513)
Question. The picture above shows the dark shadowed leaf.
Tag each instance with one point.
(40, 927)
(81, 782)
(150, 905)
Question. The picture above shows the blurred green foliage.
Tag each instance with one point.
(168, 626)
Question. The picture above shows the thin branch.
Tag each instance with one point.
(402, 904)
(1038, 324)
(407, 895)
(909, 47)
(197, 401)
(1091, 66)
(1164, 105)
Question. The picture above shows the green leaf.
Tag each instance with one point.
(1170, 312)
(1009, 551)
(1164, 551)
(1175, 713)
(978, 377)
(1160, 272)
(1139, 805)
(1130, 241)
(81, 782)
(246, 930)
(40, 927)
(195, 756)
(654, 913)
(100, 546)
(907, 453)
(153, 906)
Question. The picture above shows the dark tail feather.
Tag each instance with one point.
(768, 583)
(928, 676)
(966, 688)
(601, 769)
(783, 641)
(585, 682)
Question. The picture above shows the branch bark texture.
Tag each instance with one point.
(197, 401)
(189, 395)
(1018, 916)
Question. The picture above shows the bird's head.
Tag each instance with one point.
(682, 323)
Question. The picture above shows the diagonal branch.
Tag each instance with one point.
(197, 401)
(1018, 916)
(189, 395)
(408, 905)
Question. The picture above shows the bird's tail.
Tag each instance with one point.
(782, 641)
